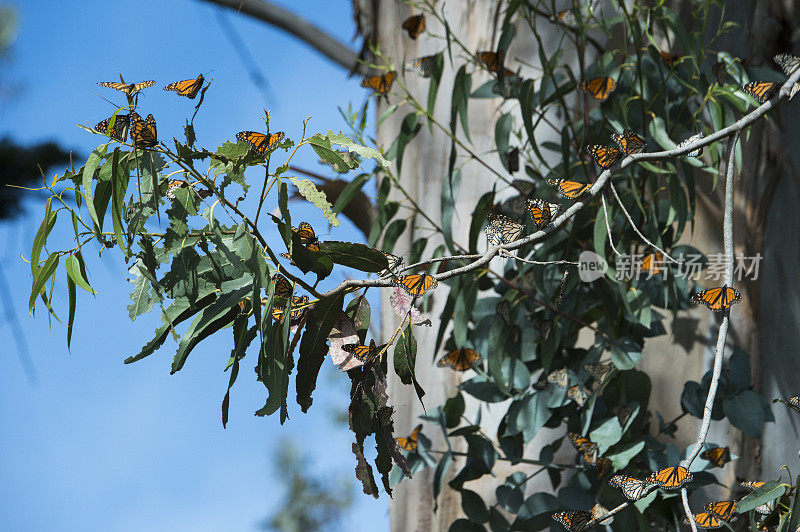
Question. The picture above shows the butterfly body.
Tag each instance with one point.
(414, 25)
(119, 130)
(599, 88)
(128, 88)
(632, 488)
(502, 229)
(694, 153)
(717, 299)
(460, 359)
(560, 377)
(298, 309)
(542, 212)
(261, 143)
(411, 442)
(578, 393)
(573, 520)
(706, 520)
(143, 132)
(417, 284)
(760, 90)
(188, 87)
(671, 478)
(718, 456)
(362, 352)
(629, 142)
(493, 61)
(569, 189)
(380, 84)
(722, 509)
(604, 156)
(422, 65)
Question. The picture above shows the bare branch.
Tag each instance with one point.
(304, 30)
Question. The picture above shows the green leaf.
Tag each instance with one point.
(768, 492)
(502, 129)
(474, 507)
(745, 412)
(355, 255)
(465, 525)
(528, 415)
(408, 130)
(213, 318)
(462, 86)
(341, 140)
(41, 278)
(625, 354)
(71, 315)
(309, 191)
(448, 201)
(483, 390)
(88, 175)
(314, 346)
(433, 88)
(350, 191)
(119, 188)
(75, 273)
(405, 354)
(40, 239)
(621, 458)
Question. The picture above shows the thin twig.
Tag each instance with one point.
(608, 226)
(633, 225)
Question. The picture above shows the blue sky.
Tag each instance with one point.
(97, 445)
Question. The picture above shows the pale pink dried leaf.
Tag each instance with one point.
(401, 303)
(343, 332)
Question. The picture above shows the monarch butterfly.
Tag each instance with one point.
(307, 236)
(694, 153)
(567, 18)
(598, 512)
(650, 263)
(795, 402)
(542, 212)
(379, 84)
(143, 132)
(599, 88)
(283, 288)
(261, 143)
(175, 184)
(362, 352)
(119, 131)
(561, 378)
(632, 488)
(569, 189)
(128, 88)
(579, 394)
(298, 308)
(671, 478)
(765, 508)
(187, 87)
(502, 229)
(245, 306)
(668, 58)
(460, 359)
(717, 299)
(417, 284)
(722, 509)
(788, 63)
(394, 263)
(410, 443)
(706, 520)
(599, 371)
(629, 142)
(493, 61)
(760, 90)
(573, 520)
(718, 456)
(422, 65)
(581, 443)
(604, 156)
(414, 25)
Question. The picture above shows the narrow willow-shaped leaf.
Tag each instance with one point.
(314, 346)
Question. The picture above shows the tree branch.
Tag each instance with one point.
(304, 30)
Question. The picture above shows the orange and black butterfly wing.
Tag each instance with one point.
(143, 85)
(260, 142)
(414, 25)
(717, 299)
(718, 456)
(412, 441)
(380, 84)
(417, 284)
(629, 142)
(722, 509)
(283, 288)
(118, 131)
(760, 90)
(706, 520)
(599, 88)
(306, 233)
(671, 477)
(573, 520)
(569, 189)
(143, 132)
(604, 156)
(188, 87)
